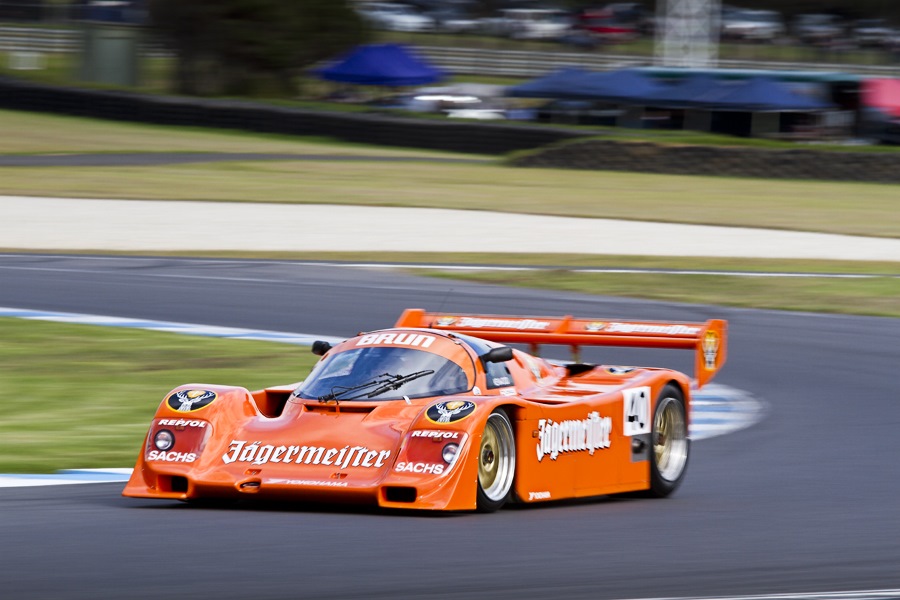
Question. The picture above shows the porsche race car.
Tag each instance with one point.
(440, 413)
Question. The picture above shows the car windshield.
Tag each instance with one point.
(383, 373)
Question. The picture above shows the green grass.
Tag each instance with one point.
(833, 207)
(846, 208)
(83, 396)
(877, 296)
(40, 133)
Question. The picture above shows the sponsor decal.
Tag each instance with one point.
(710, 350)
(450, 411)
(397, 339)
(348, 456)
(508, 392)
(182, 423)
(435, 434)
(647, 328)
(476, 391)
(479, 323)
(446, 321)
(619, 370)
(637, 411)
(595, 326)
(501, 381)
(307, 482)
(538, 496)
(183, 457)
(418, 467)
(190, 400)
(588, 434)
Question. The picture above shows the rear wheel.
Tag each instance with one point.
(496, 462)
(671, 446)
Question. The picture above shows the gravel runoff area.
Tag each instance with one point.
(33, 223)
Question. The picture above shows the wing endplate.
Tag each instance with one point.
(707, 340)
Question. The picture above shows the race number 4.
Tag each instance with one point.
(637, 411)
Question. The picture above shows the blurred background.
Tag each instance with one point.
(205, 118)
(469, 59)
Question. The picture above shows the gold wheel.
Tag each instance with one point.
(670, 443)
(496, 462)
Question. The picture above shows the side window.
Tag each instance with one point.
(497, 375)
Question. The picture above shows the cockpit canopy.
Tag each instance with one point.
(386, 372)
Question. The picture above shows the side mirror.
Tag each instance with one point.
(498, 355)
(320, 347)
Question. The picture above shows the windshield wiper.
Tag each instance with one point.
(341, 390)
(396, 382)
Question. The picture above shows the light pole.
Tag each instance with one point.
(687, 33)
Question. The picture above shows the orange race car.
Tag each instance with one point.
(436, 413)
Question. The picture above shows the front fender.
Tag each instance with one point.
(190, 413)
(420, 463)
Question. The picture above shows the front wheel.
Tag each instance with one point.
(671, 446)
(496, 462)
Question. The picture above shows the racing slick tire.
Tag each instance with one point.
(496, 462)
(670, 444)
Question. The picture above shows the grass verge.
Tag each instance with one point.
(82, 396)
(844, 208)
(875, 296)
(40, 133)
(832, 207)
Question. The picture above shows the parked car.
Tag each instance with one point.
(395, 17)
(529, 23)
(634, 14)
(605, 26)
(450, 20)
(872, 33)
(819, 29)
(752, 25)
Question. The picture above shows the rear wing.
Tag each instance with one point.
(707, 340)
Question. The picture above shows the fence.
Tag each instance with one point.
(459, 60)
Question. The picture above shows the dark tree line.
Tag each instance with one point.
(245, 47)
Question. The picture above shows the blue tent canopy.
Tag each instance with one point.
(681, 94)
(760, 94)
(625, 85)
(578, 84)
(381, 64)
(631, 86)
(564, 83)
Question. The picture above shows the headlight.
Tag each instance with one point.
(449, 452)
(164, 439)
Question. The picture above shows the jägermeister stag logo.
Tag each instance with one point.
(190, 400)
(450, 411)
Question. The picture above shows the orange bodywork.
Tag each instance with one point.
(571, 425)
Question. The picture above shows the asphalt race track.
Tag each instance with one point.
(805, 501)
